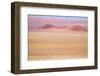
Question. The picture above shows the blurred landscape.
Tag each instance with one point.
(62, 41)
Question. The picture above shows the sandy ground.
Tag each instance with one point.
(57, 45)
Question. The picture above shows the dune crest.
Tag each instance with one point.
(50, 27)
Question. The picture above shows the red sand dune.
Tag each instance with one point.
(78, 28)
(49, 27)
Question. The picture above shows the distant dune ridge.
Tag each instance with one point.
(78, 28)
(50, 27)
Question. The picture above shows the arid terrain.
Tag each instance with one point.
(57, 45)
(57, 37)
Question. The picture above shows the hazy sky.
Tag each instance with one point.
(35, 21)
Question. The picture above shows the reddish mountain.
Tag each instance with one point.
(78, 28)
(47, 26)
(50, 27)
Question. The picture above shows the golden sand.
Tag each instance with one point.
(57, 45)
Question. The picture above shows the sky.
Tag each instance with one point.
(36, 21)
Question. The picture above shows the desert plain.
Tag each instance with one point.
(48, 45)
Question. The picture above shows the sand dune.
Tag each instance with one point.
(53, 28)
(57, 45)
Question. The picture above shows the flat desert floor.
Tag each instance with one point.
(57, 45)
